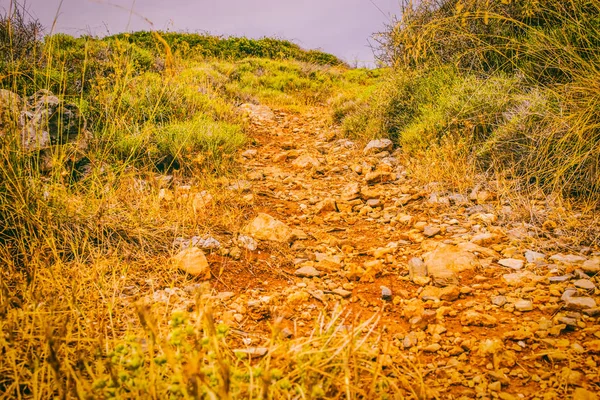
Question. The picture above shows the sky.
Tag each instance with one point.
(341, 27)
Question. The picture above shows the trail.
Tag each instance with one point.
(485, 306)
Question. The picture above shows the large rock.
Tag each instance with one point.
(377, 146)
(445, 261)
(49, 121)
(192, 261)
(265, 227)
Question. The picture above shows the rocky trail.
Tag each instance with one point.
(483, 305)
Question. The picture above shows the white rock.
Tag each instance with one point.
(569, 259)
(377, 146)
(533, 256)
(247, 242)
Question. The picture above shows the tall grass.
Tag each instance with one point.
(513, 84)
(84, 221)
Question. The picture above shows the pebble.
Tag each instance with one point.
(386, 293)
(512, 263)
(342, 293)
(523, 305)
(431, 231)
(559, 279)
(499, 300)
(307, 272)
(585, 284)
(252, 352)
(247, 242)
(378, 146)
(533, 256)
(592, 266)
(475, 318)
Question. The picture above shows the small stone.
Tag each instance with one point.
(193, 261)
(533, 256)
(559, 279)
(592, 312)
(247, 242)
(471, 317)
(251, 352)
(579, 303)
(327, 205)
(305, 161)
(450, 293)
(591, 267)
(378, 146)
(499, 300)
(585, 284)
(512, 263)
(569, 259)
(375, 177)
(523, 305)
(265, 227)
(432, 348)
(250, 153)
(342, 293)
(307, 272)
(386, 293)
(416, 267)
(373, 202)
(431, 231)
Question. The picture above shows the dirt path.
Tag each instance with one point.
(485, 306)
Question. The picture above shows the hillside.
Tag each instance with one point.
(187, 216)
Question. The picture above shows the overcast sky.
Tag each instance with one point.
(341, 27)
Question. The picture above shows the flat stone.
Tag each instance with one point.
(342, 293)
(431, 231)
(579, 303)
(523, 305)
(592, 266)
(512, 263)
(559, 279)
(307, 272)
(533, 256)
(585, 284)
(252, 352)
(377, 146)
(569, 259)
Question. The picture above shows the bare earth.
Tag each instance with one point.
(484, 305)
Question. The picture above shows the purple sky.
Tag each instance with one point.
(341, 27)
